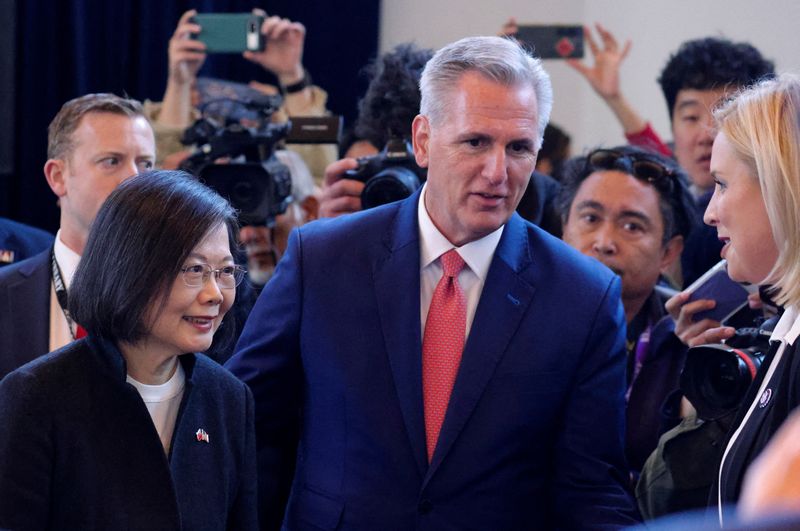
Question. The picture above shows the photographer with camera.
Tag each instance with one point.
(264, 244)
(282, 57)
(385, 112)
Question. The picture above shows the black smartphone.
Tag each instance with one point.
(552, 41)
(717, 285)
(230, 32)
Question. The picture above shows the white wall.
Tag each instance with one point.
(656, 28)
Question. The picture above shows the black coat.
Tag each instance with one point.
(78, 449)
(780, 397)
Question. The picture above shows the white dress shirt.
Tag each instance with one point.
(433, 244)
(67, 261)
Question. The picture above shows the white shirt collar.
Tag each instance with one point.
(161, 392)
(66, 258)
(788, 328)
(477, 254)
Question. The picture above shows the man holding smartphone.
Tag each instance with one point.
(282, 56)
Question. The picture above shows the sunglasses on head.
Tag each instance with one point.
(634, 164)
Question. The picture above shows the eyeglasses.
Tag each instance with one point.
(666, 180)
(227, 277)
(636, 165)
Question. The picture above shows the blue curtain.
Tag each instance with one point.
(66, 48)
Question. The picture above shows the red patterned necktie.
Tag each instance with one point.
(442, 346)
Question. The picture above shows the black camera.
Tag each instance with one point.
(391, 175)
(716, 377)
(254, 181)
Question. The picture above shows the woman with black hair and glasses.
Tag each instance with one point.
(128, 428)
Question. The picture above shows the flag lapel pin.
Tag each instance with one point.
(202, 435)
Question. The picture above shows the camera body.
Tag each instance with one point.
(716, 377)
(391, 175)
(253, 180)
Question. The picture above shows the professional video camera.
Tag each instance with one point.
(716, 377)
(254, 181)
(390, 175)
(235, 126)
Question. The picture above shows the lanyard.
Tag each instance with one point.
(61, 292)
(642, 346)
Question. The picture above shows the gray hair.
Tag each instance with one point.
(498, 59)
(302, 180)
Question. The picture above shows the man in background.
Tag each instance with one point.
(95, 142)
(19, 241)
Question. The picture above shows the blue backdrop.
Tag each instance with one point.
(66, 48)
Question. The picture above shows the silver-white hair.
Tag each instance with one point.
(302, 180)
(498, 59)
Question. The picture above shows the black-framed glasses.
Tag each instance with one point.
(227, 277)
(640, 167)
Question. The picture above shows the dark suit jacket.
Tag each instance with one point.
(24, 311)
(22, 241)
(767, 417)
(533, 435)
(648, 415)
(78, 449)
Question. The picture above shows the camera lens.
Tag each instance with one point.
(391, 184)
(725, 378)
(716, 377)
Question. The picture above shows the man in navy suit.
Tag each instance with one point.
(94, 143)
(392, 396)
(19, 241)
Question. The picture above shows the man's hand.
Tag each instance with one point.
(693, 333)
(283, 55)
(340, 195)
(603, 76)
(186, 55)
(772, 483)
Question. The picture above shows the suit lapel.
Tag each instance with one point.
(396, 274)
(504, 300)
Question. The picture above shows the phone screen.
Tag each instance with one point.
(552, 42)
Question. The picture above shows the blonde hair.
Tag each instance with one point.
(763, 126)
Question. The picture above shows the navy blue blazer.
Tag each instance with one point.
(533, 435)
(78, 449)
(24, 311)
(19, 241)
